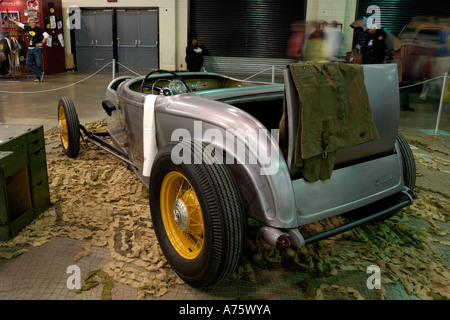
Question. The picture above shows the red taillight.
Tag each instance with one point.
(412, 194)
(283, 242)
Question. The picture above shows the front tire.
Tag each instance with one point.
(69, 127)
(197, 216)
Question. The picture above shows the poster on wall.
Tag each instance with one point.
(4, 15)
(32, 9)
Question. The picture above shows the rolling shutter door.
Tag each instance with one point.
(244, 28)
(395, 14)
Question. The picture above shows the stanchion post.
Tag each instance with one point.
(113, 69)
(441, 102)
(273, 74)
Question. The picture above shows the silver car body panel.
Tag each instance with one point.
(275, 199)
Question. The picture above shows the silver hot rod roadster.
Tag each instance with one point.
(214, 151)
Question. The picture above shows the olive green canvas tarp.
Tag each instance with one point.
(334, 113)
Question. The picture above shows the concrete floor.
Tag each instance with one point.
(25, 102)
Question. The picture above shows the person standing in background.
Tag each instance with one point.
(316, 46)
(296, 40)
(334, 39)
(379, 46)
(194, 56)
(37, 40)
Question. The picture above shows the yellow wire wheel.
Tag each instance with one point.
(69, 127)
(62, 124)
(182, 215)
(197, 214)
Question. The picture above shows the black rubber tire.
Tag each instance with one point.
(69, 127)
(222, 211)
(408, 162)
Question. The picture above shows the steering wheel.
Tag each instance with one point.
(165, 91)
(143, 85)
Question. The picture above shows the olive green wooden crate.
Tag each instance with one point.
(15, 137)
(16, 209)
(14, 144)
(36, 139)
(38, 171)
(41, 196)
(38, 166)
(24, 177)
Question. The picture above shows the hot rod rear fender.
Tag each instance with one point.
(265, 186)
(268, 191)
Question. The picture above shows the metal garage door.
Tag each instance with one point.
(255, 31)
(137, 38)
(136, 31)
(94, 40)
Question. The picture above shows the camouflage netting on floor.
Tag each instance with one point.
(98, 199)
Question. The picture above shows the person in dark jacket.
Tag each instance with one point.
(194, 56)
(379, 46)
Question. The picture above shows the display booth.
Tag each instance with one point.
(14, 40)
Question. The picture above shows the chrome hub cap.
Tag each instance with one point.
(180, 215)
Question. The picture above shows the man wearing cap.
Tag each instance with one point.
(38, 38)
(379, 46)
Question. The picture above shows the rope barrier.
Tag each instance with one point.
(422, 82)
(129, 69)
(273, 68)
(257, 74)
(56, 89)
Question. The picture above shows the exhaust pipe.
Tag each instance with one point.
(292, 237)
(275, 237)
(281, 239)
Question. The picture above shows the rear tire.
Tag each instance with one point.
(197, 216)
(408, 163)
(69, 127)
